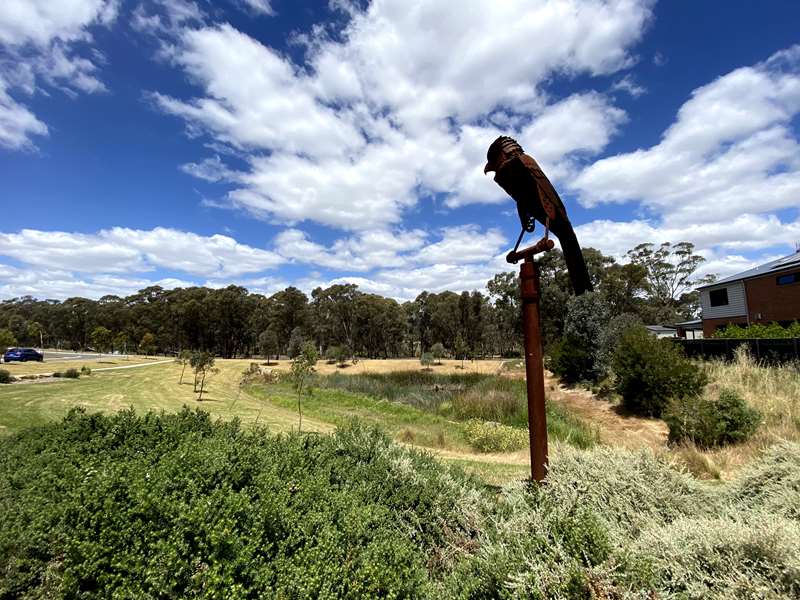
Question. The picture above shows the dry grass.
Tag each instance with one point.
(398, 364)
(773, 390)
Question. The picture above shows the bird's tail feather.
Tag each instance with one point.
(576, 266)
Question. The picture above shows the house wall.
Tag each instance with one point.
(711, 325)
(736, 306)
(767, 301)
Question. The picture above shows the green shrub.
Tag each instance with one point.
(5, 376)
(426, 360)
(758, 330)
(58, 374)
(72, 374)
(85, 370)
(179, 506)
(486, 436)
(571, 360)
(650, 372)
(708, 422)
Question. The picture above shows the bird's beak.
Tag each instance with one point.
(488, 168)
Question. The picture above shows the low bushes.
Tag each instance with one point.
(486, 436)
(757, 330)
(159, 506)
(5, 376)
(651, 372)
(710, 422)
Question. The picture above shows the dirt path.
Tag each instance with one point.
(615, 429)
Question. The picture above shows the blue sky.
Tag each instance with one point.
(274, 143)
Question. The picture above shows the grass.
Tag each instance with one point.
(154, 387)
(52, 365)
(772, 389)
(463, 397)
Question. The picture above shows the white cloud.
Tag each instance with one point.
(393, 107)
(260, 7)
(731, 149)
(17, 123)
(123, 250)
(59, 285)
(40, 40)
(628, 84)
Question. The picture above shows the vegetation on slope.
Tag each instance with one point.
(177, 506)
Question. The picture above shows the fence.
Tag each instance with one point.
(766, 349)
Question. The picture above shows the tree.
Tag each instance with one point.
(426, 360)
(184, 358)
(7, 339)
(268, 343)
(36, 333)
(301, 370)
(460, 349)
(438, 352)
(147, 345)
(121, 342)
(296, 341)
(202, 363)
(101, 338)
(669, 284)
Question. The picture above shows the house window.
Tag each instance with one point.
(718, 297)
(788, 278)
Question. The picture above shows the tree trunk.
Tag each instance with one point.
(299, 412)
(202, 385)
(182, 371)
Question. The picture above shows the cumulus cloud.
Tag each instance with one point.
(401, 103)
(123, 250)
(732, 147)
(41, 42)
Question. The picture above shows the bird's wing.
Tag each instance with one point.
(547, 193)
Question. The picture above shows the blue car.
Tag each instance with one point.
(22, 355)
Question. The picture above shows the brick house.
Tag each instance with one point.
(767, 293)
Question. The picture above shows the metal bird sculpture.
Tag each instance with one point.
(537, 200)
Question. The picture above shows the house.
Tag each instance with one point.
(767, 293)
(661, 331)
(690, 330)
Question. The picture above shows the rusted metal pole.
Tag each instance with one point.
(534, 369)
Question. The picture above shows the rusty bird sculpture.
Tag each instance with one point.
(537, 200)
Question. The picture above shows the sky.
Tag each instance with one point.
(269, 143)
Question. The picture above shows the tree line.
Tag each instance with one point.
(655, 284)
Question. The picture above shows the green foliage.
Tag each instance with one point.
(711, 422)
(86, 370)
(426, 360)
(759, 331)
(300, 374)
(487, 436)
(571, 360)
(268, 343)
(5, 376)
(610, 338)
(438, 351)
(650, 372)
(72, 374)
(465, 396)
(147, 345)
(179, 506)
(202, 363)
(296, 341)
(102, 339)
(7, 340)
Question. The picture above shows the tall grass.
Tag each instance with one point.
(772, 389)
(464, 397)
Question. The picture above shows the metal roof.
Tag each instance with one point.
(793, 260)
(689, 324)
